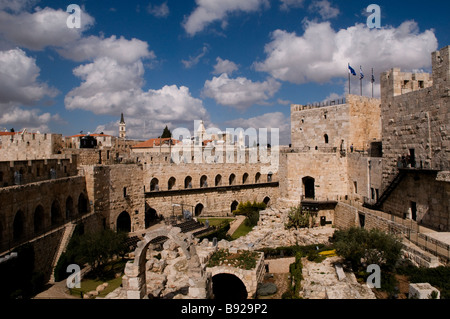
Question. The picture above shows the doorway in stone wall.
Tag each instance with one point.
(309, 187)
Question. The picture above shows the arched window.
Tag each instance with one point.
(257, 177)
(171, 183)
(19, 226)
(154, 185)
(55, 214)
(269, 177)
(232, 179)
(326, 138)
(188, 182)
(218, 180)
(39, 219)
(204, 181)
(244, 178)
(234, 206)
(69, 208)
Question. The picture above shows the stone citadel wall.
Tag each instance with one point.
(416, 119)
(28, 210)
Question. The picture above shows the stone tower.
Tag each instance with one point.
(122, 128)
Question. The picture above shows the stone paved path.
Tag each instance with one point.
(235, 224)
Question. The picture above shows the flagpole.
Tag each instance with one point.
(372, 82)
(348, 71)
(360, 78)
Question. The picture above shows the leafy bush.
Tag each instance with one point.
(372, 247)
(251, 211)
(438, 277)
(298, 218)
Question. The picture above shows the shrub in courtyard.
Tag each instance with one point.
(251, 211)
(358, 245)
(299, 218)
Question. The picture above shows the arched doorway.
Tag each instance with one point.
(19, 226)
(188, 182)
(39, 219)
(82, 204)
(234, 206)
(266, 200)
(56, 217)
(218, 181)
(69, 208)
(154, 185)
(232, 179)
(150, 216)
(199, 209)
(244, 178)
(257, 177)
(124, 222)
(171, 183)
(227, 286)
(269, 177)
(309, 187)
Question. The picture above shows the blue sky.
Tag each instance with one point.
(232, 63)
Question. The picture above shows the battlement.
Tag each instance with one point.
(395, 83)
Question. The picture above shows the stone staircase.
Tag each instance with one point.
(419, 256)
(68, 232)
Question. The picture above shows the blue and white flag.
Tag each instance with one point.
(351, 70)
(361, 73)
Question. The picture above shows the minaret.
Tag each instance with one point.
(122, 128)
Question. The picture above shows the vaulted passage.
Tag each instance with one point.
(151, 216)
(199, 209)
(226, 286)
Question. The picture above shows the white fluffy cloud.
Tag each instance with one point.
(119, 49)
(322, 53)
(110, 88)
(287, 4)
(240, 93)
(276, 120)
(160, 11)
(44, 28)
(32, 120)
(209, 11)
(19, 82)
(224, 66)
(324, 8)
(194, 60)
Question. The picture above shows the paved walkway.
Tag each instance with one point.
(58, 290)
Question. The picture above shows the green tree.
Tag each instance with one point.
(166, 133)
(251, 211)
(358, 245)
(297, 218)
(97, 248)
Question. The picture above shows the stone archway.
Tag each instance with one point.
(39, 220)
(56, 217)
(19, 226)
(234, 206)
(199, 209)
(229, 286)
(134, 281)
(124, 222)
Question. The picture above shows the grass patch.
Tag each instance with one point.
(108, 274)
(242, 230)
(216, 221)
